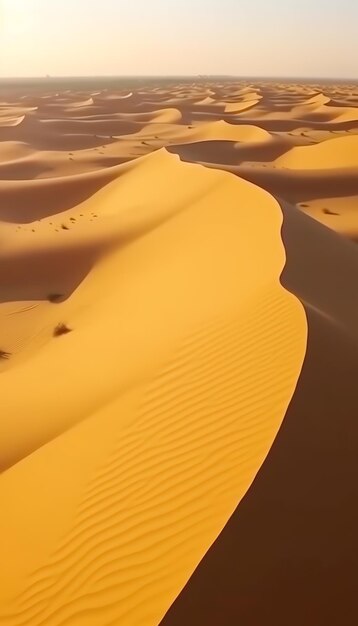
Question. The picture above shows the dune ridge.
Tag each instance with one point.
(201, 372)
(178, 344)
(291, 541)
(340, 152)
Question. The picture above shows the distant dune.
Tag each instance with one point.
(178, 355)
(340, 152)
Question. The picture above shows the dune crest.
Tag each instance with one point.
(154, 527)
(337, 153)
(178, 345)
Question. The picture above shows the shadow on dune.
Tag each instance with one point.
(67, 134)
(56, 141)
(22, 201)
(22, 170)
(296, 185)
(37, 274)
(276, 125)
(229, 152)
(288, 555)
(321, 268)
(90, 127)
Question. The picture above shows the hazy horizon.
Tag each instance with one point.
(178, 38)
(176, 76)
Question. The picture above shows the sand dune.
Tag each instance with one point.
(210, 323)
(291, 542)
(223, 130)
(341, 152)
(178, 353)
(11, 121)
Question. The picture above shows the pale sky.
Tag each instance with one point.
(313, 38)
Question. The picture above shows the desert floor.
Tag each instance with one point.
(178, 353)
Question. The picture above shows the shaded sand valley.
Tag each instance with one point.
(178, 353)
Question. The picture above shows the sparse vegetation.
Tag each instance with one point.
(64, 227)
(4, 356)
(329, 212)
(61, 329)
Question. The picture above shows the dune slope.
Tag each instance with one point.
(287, 555)
(135, 456)
(178, 352)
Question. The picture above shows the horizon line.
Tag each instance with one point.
(50, 77)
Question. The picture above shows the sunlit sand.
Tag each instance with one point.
(178, 280)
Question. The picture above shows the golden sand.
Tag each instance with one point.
(148, 350)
